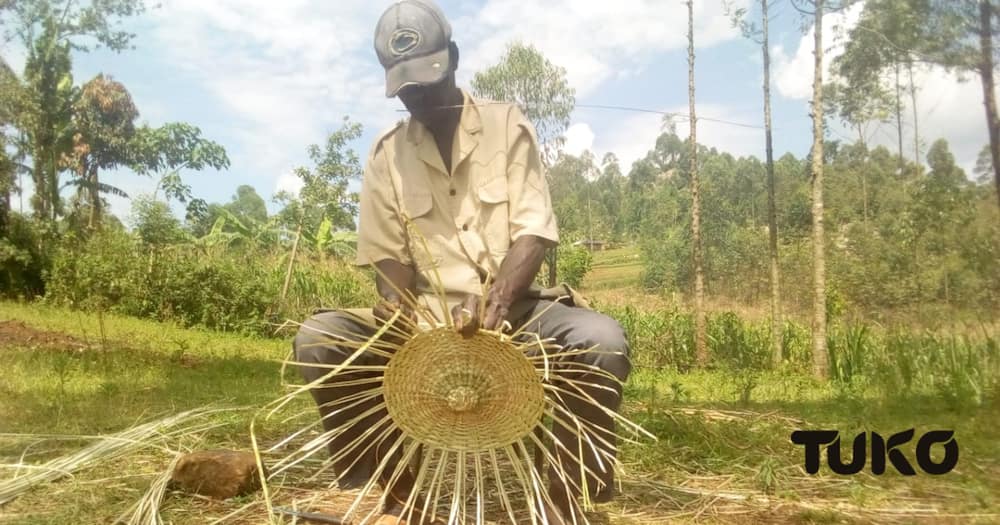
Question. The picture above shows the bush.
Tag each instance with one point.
(22, 262)
(573, 264)
(237, 290)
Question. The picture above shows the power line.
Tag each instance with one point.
(632, 109)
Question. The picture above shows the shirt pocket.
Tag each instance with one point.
(420, 235)
(494, 213)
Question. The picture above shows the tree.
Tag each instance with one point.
(749, 30)
(247, 206)
(888, 38)
(11, 97)
(164, 152)
(984, 165)
(103, 118)
(987, 12)
(50, 30)
(325, 196)
(71, 21)
(46, 117)
(820, 357)
(700, 340)
(525, 77)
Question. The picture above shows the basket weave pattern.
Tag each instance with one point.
(463, 394)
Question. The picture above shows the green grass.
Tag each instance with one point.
(617, 268)
(722, 436)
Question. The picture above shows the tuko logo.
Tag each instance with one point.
(881, 450)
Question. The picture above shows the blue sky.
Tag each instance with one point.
(265, 79)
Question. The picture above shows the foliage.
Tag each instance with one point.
(164, 151)
(74, 20)
(325, 195)
(525, 77)
(42, 105)
(153, 222)
(103, 118)
(232, 290)
(573, 264)
(22, 259)
(45, 117)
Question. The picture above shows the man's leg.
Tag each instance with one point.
(578, 328)
(316, 342)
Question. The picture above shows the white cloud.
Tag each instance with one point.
(594, 40)
(725, 136)
(288, 182)
(14, 54)
(794, 74)
(946, 107)
(579, 138)
(629, 138)
(289, 71)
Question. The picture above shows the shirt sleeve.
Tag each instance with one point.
(531, 210)
(381, 232)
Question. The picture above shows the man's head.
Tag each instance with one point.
(413, 43)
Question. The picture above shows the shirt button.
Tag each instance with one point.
(451, 192)
(465, 227)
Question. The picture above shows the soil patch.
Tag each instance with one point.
(15, 333)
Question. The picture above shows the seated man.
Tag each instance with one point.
(456, 191)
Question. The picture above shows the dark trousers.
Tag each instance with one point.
(570, 327)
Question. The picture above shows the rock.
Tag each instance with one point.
(219, 474)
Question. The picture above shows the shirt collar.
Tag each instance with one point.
(470, 121)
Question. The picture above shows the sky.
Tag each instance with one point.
(266, 79)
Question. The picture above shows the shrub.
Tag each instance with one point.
(22, 262)
(573, 264)
(237, 290)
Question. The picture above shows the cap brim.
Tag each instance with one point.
(421, 71)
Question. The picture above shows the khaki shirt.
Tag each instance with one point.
(458, 225)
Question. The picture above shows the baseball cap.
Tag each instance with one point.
(411, 40)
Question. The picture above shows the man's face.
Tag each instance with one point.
(425, 102)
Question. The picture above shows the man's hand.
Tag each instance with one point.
(383, 312)
(496, 310)
(392, 279)
(466, 314)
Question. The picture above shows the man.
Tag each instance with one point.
(457, 191)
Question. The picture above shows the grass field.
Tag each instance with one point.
(615, 268)
(716, 459)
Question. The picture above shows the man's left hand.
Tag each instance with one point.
(466, 314)
(496, 311)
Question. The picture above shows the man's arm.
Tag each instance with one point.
(394, 281)
(532, 229)
(517, 272)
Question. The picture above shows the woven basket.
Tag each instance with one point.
(463, 394)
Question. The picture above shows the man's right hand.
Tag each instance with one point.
(383, 312)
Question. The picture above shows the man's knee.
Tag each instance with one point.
(315, 342)
(610, 343)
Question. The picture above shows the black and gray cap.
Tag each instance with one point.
(411, 40)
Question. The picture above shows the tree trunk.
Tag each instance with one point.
(820, 358)
(989, 98)
(913, 107)
(777, 352)
(701, 348)
(899, 119)
(95, 201)
(291, 263)
(864, 176)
